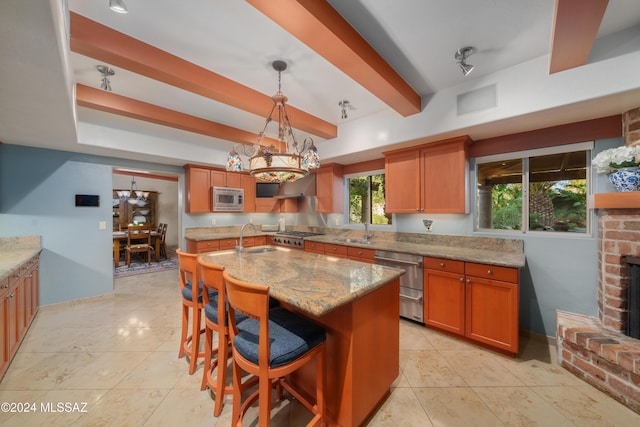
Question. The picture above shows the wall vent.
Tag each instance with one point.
(477, 100)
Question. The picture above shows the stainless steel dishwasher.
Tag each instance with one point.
(411, 285)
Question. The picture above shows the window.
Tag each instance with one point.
(540, 190)
(366, 199)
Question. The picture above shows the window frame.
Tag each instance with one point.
(524, 157)
(346, 202)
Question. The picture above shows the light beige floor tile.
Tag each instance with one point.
(158, 370)
(521, 406)
(107, 370)
(455, 407)
(428, 368)
(123, 408)
(142, 338)
(55, 408)
(533, 372)
(183, 407)
(414, 337)
(443, 341)
(480, 368)
(401, 408)
(43, 371)
(586, 406)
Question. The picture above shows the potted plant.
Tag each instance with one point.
(622, 165)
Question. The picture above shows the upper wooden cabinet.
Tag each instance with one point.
(430, 178)
(199, 181)
(330, 188)
(198, 184)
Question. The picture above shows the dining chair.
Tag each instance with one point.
(163, 240)
(191, 290)
(271, 344)
(138, 241)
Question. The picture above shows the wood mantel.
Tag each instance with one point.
(622, 200)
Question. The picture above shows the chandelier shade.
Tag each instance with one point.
(271, 164)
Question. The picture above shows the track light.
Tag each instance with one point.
(461, 56)
(106, 73)
(344, 104)
(118, 6)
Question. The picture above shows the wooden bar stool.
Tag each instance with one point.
(215, 319)
(271, 344)
(192, 300)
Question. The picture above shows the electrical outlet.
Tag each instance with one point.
(250, 220)
(337, 221)
(213, 221)
(102, 225)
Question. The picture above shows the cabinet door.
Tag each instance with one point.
(198, 188)
(267, 204)
(315, 247)
(218, 178)
(234, 179)
(402, 172)
(444, 300)
(248, 184)
(330, 189)
(4, 326)
(13, 312)
(444, 177)
(492, 312)
(360, 254)
(338, 251)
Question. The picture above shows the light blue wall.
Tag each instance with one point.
(37, 197)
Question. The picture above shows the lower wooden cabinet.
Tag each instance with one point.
(202, 246)
(19, 300)
(478, 301)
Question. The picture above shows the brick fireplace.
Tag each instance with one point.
(596, 349)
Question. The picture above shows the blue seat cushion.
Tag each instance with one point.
(290, 336)
(211, 311)
(187, 292)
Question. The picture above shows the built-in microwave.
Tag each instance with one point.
(228, 199)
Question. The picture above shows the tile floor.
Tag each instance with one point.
(118, 354)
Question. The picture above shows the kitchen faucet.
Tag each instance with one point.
(240, 248)
(367, 235)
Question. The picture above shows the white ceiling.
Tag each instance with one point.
(418, 38)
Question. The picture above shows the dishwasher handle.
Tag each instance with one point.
(399, 261)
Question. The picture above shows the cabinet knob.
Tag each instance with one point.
(417, 209)
(462, 279)
(489, 271)
(359, 252)
(468, 281)
(442, 264)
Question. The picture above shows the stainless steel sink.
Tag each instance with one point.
(260, 249)
(357, 241)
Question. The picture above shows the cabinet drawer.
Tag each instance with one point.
(494, 272)
(260, 240)
(442, 264)
(360, 253)
(207, 246)
(227, 244)
(314, 247)
(336, 250)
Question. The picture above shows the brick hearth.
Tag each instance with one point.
(595, 349)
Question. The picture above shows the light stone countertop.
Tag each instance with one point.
(313, 283)
(502, 258)
(15, 251)
(485, 250)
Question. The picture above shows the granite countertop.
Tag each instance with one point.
(314, 283)
(211, 233)
(15, 251)
(480, 255)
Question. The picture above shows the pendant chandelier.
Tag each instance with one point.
(269, 163)
(134, 196)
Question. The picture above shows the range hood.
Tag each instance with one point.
(302, 187)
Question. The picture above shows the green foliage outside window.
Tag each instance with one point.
(366, 200)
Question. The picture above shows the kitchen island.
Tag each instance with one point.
(358, 305)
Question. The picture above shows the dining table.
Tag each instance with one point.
(120, 239)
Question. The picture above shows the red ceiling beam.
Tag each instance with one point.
(323, 29)
(98, 41)
(109, 102)
(575, 26)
